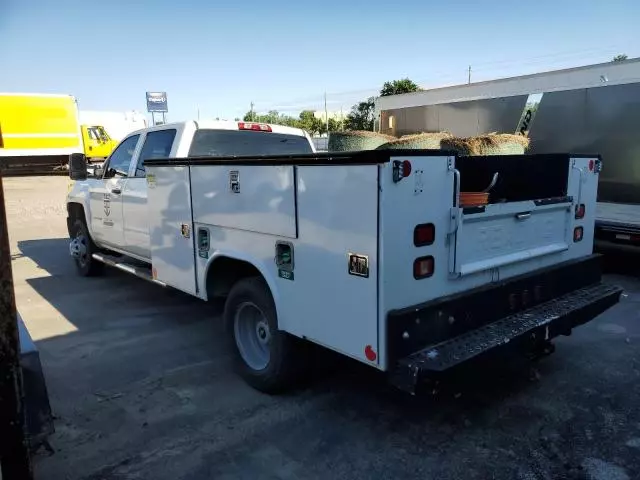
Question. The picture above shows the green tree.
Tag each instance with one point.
(620, 58)
(335, 125)
(361, 116)
(309, 122)
(396, 87)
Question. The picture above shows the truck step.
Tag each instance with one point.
(139, 270)
(540, 323)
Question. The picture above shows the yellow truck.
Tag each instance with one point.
(38, 132)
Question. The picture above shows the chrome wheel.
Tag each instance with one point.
(252, 335)
(79, 249)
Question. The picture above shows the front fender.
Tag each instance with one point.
(79, 195)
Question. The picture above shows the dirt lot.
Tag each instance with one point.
(141, 387)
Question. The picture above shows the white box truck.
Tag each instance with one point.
(369, 254)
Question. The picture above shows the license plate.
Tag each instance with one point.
(622, 236)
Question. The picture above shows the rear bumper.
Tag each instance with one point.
(568, 303)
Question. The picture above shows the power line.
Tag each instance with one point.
(443, 74)
(512, 67)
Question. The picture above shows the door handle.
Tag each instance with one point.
(523, 215)
(116, 191)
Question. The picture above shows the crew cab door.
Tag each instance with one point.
(155, 144)
(105, 196)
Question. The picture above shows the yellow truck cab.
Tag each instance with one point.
(97, 142)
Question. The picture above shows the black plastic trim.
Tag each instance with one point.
(472, 210)
(365, 157)
(447, 317)
(553, 200)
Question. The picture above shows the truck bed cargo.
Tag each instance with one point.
(594, 108)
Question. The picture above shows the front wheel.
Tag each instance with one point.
(82, 248)
(268, 359)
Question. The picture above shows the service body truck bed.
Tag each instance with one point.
(369, 253)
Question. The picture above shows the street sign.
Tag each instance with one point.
(157, 102)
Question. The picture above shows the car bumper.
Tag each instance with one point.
(523, 328)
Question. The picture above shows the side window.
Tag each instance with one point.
(120, 159)
(156, 145)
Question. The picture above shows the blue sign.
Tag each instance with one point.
(157, 102)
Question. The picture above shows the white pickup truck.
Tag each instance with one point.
(371, 254)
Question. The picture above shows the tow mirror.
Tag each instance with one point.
(77, 166)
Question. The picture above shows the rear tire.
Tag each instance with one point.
(86, 265)
(268, 359)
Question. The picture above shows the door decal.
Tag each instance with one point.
(107, 204)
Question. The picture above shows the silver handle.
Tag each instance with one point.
(456, 173)
(523, 215)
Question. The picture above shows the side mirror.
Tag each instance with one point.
(77, 166)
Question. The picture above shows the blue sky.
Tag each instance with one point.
(219, 56)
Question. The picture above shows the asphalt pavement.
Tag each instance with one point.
(142, 388)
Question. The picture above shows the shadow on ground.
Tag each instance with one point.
(144, 389)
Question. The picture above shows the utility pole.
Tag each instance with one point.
(469, 77)
(14, 451)
(251, 110)
(326, 113)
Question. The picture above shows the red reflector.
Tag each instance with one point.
(370, 353)
(406, 168)
(577, 234)
(580, 209)
(260, 127)
(591, 164)
(423, 267)
(424, 234)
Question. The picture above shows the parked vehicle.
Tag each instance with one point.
(38, 132)
(588, 109)
(116, 124)
(370, 254)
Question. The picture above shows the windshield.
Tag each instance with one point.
(222, 143)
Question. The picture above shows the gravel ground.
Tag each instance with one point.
(141, 387)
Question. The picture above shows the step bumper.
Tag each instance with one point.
(540, 323)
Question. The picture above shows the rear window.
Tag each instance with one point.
(223, 143)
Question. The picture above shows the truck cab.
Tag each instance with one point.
(97, 142)
(113, 203)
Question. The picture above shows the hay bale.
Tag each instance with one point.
(422, 141)
(353, 141)
(491, 144)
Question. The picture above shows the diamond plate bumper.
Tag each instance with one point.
(542, 322)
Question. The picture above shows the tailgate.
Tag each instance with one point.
(500, 234)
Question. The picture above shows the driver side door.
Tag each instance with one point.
(107, 226)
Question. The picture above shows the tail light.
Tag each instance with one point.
(580, 210)
(259, 127)
(577, 234)
(424, 234)
(423, 267)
